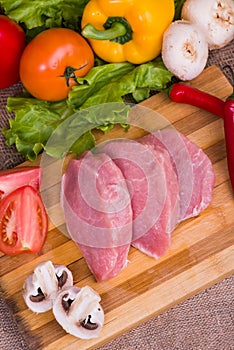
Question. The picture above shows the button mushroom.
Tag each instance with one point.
(215, 18)
(79, 312)
(184, 50)
(42, 286)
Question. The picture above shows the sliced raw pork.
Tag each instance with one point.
(98, 213)
(193, 167)
(153, 185)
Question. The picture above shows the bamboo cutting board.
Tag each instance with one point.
(200, 255)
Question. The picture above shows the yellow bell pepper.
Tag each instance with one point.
(127, 30)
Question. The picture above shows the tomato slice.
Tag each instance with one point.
(23, 222)
(11, 179)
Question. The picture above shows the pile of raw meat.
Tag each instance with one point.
(133, 192)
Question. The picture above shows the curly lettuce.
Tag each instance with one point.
(36, 15)
(35, 120)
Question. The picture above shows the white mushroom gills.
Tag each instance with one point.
(79, 312)
(184, 50)
(215, 19)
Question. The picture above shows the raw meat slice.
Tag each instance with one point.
(98, 213)
(156, 240)
(153, 185)
(193, 167)
(203, 180)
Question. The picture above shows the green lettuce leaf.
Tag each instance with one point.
(37, 15)
(33, 124)
(36, 121)
(68, 135)
(96, 79)
(82, 144)
(111, 82)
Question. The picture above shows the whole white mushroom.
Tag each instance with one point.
(184, 50)
(215, 18)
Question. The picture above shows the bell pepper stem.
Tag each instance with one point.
(117, 29)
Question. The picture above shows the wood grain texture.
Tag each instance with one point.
(200, 255)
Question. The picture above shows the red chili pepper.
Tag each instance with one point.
(186, 94)
(229, 137)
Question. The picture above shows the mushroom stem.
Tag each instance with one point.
(85, 303)
(78, 311)
(45, 276)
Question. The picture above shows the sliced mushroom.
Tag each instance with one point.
(42, 286)
(79, 312)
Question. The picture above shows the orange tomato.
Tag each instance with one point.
(52, 61)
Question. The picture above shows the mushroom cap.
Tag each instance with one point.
(215, 19)
(184, 50)
(78, 311)
(41, 287)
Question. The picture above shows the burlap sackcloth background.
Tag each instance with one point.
(203, 322)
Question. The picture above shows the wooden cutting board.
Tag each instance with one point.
(200, 255)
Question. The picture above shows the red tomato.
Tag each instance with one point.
(12, 43)
(23, 222)
(12, 179)
(52, 61)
